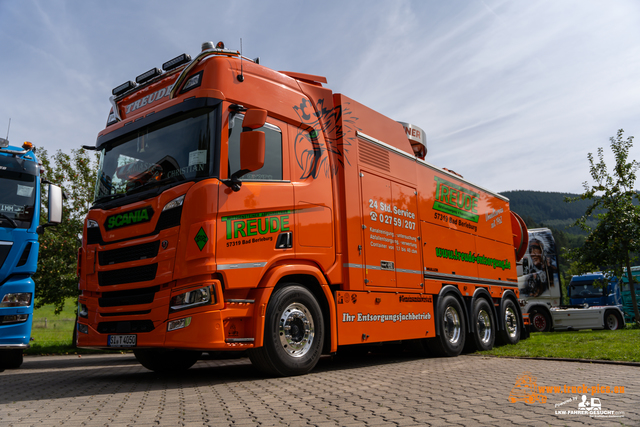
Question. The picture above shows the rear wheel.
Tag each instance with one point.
(540, 321)
(510, 334)
(293, 333)
(10, 359)
(167, 360)
(612, 320)
(484, 335)
(451, 328)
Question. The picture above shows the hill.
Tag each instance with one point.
(541, 208)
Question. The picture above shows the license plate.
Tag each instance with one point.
(122, 340)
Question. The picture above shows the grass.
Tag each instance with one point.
(620, 345)
(53, 333)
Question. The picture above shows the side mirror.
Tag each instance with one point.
(252, 146)
(54, 208)
(55, 204)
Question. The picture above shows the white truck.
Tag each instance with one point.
(541, 293)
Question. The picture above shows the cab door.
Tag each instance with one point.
(255, 224)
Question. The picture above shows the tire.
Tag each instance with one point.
(451, 328)
(293, 333)
(510, 334)
(164, 361)
(10, 359)
(612, 320)
(484, 335)
(540, 321)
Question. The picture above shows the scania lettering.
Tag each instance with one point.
(20, 187)
(285, 220)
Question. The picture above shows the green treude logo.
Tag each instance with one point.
(470, 257)
(255, 224)
(129, 218)
(455, 200)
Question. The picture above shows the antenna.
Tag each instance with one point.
(241, 76)
(8, 128)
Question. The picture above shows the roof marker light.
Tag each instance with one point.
(176, 62)
(124, 87)
(148, 75)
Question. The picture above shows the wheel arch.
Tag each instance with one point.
(543, 308)
(311, 278)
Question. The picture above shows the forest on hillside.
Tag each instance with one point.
(547, 209)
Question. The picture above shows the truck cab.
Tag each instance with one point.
(19, 228)
(594, 289)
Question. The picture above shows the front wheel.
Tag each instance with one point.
(451, 328)
(540, 321)
(10, 359)
(510, 334)
(612, 320)
(164, 361)
(293, 333)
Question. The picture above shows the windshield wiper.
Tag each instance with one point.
(108, 197)
(11, 221)
(151, 184)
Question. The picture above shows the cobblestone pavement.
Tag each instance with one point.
(372, 390)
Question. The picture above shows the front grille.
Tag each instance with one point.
(128, 297)
(125, 327)
(132, 253)
(126, 313)
(127, 275)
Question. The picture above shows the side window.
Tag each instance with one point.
(272, 169)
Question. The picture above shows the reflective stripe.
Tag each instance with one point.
(243, 265)
(375, 267)
(456, 278)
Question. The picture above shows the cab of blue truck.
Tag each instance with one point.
(594, 289)
(20, 191)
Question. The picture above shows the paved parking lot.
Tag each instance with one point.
(374, 390)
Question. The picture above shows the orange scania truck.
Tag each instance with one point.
(241, 208)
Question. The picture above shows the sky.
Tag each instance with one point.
(513, 95)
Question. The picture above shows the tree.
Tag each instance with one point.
(611, 245)
(57, 262)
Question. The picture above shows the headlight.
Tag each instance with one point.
(13, 318)
(175, 203)
(16, 300)
(191, 299)
(82, 310)
(178, 324)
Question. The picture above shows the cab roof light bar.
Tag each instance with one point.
(176, 62)
(144, 77)
(124, 87)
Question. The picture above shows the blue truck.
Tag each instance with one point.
(20, 189)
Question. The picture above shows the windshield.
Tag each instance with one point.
(586, 288)
(17, 198)
(175, 150)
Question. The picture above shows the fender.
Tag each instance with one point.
(268, 284)
(480, 293)
(449, 289)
